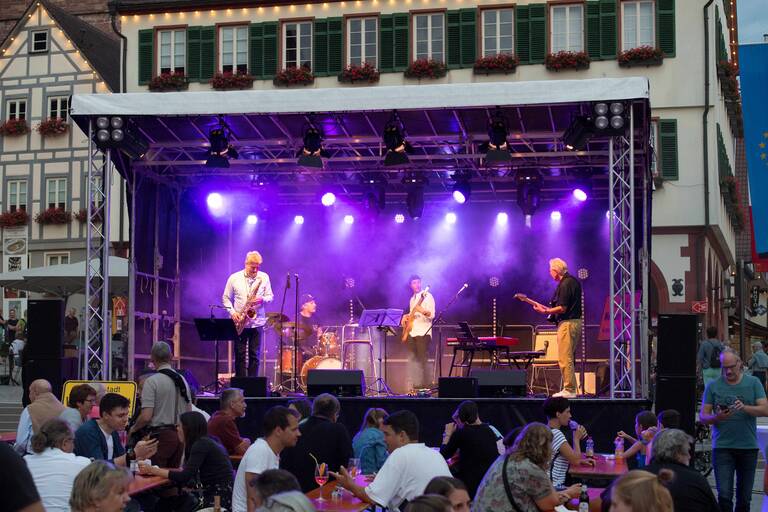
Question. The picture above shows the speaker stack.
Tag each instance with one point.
(676, 367)
(44, 348)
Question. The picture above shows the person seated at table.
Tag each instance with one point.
(53, 465)
(79, 405)
(322, 440)
(641, 491)
(509, 439)
(668, 418)
(222, 425)
(689, 489)
(558, 412)
(429, 503)
(645, 429)
(453, 489)
(408, 469)
(100, 487)
(291, 501)
(281, 430)
(475, 443)
(524, 471)
(17, 488)
(43, 407)
(301, 406)
(205, 461)
(271, 482)
(99, 439)
(368, 444)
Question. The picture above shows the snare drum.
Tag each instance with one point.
(319, 363)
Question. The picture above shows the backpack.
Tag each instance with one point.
(714, 357)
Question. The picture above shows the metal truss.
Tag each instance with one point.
(96, 353)
(623, 302)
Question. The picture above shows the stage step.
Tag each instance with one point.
(9, 416)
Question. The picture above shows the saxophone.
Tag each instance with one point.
(248, 310)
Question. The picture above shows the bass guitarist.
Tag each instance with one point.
(242, 286)
(416, 324)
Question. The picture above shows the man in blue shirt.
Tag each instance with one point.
(709, 347)
(732, 403)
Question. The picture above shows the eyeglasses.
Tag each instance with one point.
(730, 367)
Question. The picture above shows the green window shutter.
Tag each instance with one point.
(468, 37)
(146, 55)
(668, 149)
(320, 60)
(193, 53)
(453, 39)
(270, 29)
(592, 25)
(538, 32)
(256, 50)
(522, 34)
(207, 52)
(335, 45)
(665, 26)
(386, 43)
(722, 48)
(608, 29)
(400, 29)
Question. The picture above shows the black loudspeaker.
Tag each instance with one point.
(503, 383)
(251, 386)
(677, 345)
(55, 371)
(336, 382)
(679, 393)
(457, 387)
(45, 329)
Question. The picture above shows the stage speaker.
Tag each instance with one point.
(677, 345)
(55, 371)
(336, 382)
(679, 393)
(45, 329)
(457, 387)
(497, 384)
(251, 386)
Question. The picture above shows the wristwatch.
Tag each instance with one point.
(130, 454)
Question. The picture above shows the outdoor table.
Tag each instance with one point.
(8, 437)
(606, 467)
(595, 503)
(143, 483)
(348, 502)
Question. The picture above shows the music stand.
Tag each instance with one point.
(215, 329)
(383, 320)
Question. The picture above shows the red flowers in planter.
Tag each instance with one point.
(82, 216)
(426, 68)
(354, 73)
(228, 80)
(294, 76)
(641, 56)
(500, 63)
(14, 127)
(53, 216)
(169, 82)
(566, 60)
(53, 126)
(10, 219)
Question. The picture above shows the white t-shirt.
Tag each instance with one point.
(258, 458)
(560, 464)
(110, 444)
(405, 474)
(421, 323)
(54, 472)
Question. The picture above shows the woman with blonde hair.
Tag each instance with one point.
(518, 481)
(641, 491)
(368, 444)
(100, 487)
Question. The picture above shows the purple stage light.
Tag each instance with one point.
(399, 218)
(252, 219)
(328, 199)
(450, 218)
(555, 215)
(299, 219)
(502, 218)
(607, 214)
(459, 197)
(214, 201)
(348, 219)
(579, 194)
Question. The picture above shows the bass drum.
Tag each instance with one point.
(318, 363)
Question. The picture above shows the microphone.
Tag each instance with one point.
(296, 276)
(288, 280)
(466, 285)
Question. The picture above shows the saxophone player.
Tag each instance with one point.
(249, 283)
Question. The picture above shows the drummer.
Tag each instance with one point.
(308, 325)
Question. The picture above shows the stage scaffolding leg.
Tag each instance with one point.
(96, 351)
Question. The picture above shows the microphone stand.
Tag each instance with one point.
(437, 320)
(294, 379)
(280, 386)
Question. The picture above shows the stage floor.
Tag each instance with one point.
(602, 418)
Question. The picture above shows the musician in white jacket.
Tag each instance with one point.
(422, 307)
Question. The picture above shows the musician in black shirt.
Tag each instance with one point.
(566, 306)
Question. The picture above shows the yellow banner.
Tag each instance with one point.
(121, 387)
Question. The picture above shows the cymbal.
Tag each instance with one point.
(276, 317)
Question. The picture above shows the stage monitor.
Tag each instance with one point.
(251, 386)
(336, 382)
(457, 387)
(500, 384)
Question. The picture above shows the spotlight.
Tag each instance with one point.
(450, 218)
(555, 215)
(577, 134)
(113, 132)
(528, 191)
(414, 201)
(609, 118)
(214, 201)
(298, 219)
(502, 218)
(328, 199)
(348, 219)
(394, 140)
(580, 194)
(311, 153)
(252, 219)
(221, 150)
(462, 188)
(376, 192)
(497, 149)
(607, 214)
(399, 218)
(494, 282)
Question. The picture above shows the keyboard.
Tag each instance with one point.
(485, 341)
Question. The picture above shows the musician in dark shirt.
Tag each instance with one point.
(566, 306)
(308, 325)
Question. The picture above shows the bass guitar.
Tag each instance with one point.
(408, 325)
(523, 297)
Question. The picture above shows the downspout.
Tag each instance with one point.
(705, 145)
(113, 9)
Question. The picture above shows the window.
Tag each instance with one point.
(17, 195)
(39, 41)
(56, 258)
(173, 51)
(297, 45)
(58, 106)
(57, 192)
(567, 28)
(362, 36)
(234, 49)
(637, 23)
(497, 32)
(429, 36)
(17, 109)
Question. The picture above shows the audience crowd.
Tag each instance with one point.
(66, 460)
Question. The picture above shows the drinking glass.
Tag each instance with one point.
(353, 467)
(321, 477)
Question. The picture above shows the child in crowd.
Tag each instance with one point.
(645, 429)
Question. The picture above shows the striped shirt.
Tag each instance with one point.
(559, 464)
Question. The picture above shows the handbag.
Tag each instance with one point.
(507, 487)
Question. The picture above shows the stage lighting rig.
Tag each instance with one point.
(376, 192)
(528, 183)
(395, 142)
(221, 149)
(414, 201)
(608, 118)
(118, 132)
(578, 133)
(312, 153)
(497, 149)
(462, 188)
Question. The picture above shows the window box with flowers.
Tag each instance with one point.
(53, 126)
(82, 216)
(14, 127)
(16, 218)
(729, 189)
(53, 216)
(367, 73)
(169, 82)
(294, 76)
(641, 56)
(503, 63)
(426, 68)
(228, 80)
(561, 61)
